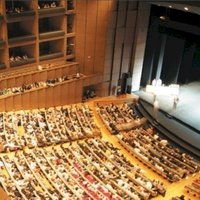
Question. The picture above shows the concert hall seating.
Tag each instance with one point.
(147, 146)
(194, 188)
(88, 169)
(46, 127)
(119, 117)
(59, 153)
(41, 84)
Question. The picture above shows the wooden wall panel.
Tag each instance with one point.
(2, 105)
(65, 71)
(11, 82)
(71, 92)
(43, 76)
(57, 95)
(9, 104)
(35, 77)
(26, 101)
(58, 72)
(73, 69)
(28, 79)
(81, 7)
(94, 19)
(3, 84)
(64, 94)
(49, 97)
(91, 26)
(19, 81)
(86, 81)
(79, 91)
(51, 74)
(103, 89)
(80, 50)
(42, 98)
(34, 99)
(17, 99)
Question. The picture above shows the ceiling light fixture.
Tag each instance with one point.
(186, 8)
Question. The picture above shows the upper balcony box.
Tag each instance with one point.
(23, 35)
(51, 50)
(48, 8)
(24, 55)
(19, 10)
(51, 28)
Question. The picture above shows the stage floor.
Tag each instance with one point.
(188, 107)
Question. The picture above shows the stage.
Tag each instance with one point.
(182, 120)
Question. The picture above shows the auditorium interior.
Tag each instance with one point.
(99, 99)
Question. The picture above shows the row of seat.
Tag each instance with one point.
(154, 152)
(113, 115)
(88, 169)
(194, 188)
(147, 146)
(46, 127)
(36, 85)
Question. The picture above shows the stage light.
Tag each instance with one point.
(162, 17)
(186, 8)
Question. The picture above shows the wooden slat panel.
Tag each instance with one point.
(28, 79)
(89, 54)
(43, 76)
(42, 98)
(2, 105)
(65, 70)
(49, 97)
(58, 72)
(11, 82)
(86, 81)
(26, 101)
(34, 99)
(64, 94)
(71, 92)
(17, 99)
(19, 81)
(101, 34)
(104, 89)
(9, 106)
(57, 95)
(3, 84)
(35, 77)
(80, 32)
(79, 91)
(91, 26)
(73, 69)
(80, 50)
(51, 74)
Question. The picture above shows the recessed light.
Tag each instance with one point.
(186, 8)
(170, 6)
